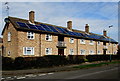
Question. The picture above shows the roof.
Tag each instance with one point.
(39, 27)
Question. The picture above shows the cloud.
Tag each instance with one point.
(98, 15)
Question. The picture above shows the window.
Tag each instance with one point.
(91, 52)
(71, 52)
(48, 37)
(30, 35)
(28, 50)
(48, 51)
(82, 52)
(98, 42)
(114, 45)
(8, 53)
(91, 42)
(115, 52)
(99, 52)
(71, 40)
(9, 36)
(82, 41)
(108, 51)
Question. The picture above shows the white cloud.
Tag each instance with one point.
(60, 14)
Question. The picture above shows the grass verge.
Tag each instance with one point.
(95, 65)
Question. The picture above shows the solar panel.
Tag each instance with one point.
(61, 30)
(53, 29)
(46, 27)
(22, 25)
(40, 27)
(32, 26)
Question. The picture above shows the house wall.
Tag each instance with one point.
(19, 40)
(49, 44)
(23, 41)
(99, 47)
(70, 46)
(12, 45)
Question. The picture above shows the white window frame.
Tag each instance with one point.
(91, 43)
(82, 41)
(71, 40)
(82, 52)
(30, 35)
(114, 45)
(48, 37)
(9, 36)
(25, 49)
(98, 51)
(49, 51)
(91, 52)
(71, 52)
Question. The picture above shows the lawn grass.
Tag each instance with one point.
(95, 65)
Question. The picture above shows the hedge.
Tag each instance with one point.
(76, 59)
(50, 61)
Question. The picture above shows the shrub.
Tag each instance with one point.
(7, 63)
(19, 63)
(56, 60)
(76, 59)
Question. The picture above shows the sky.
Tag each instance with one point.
(99, 15)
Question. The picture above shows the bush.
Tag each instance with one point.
(41, 62)
(76, 59)
(19, 63)
(7, 63)
(101, 57)
(56, 60)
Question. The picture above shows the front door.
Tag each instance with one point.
(61, 52)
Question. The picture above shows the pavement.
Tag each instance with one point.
(44, 70)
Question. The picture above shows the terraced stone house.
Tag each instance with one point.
(29, 38)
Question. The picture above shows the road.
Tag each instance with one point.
(103, 72)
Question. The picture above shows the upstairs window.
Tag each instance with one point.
(82, 41)
(28, 50)
(9, 36)
(71, 40)
(71, 51)
(48, 37)
(91, 42)
(30, 35)
(48, 51)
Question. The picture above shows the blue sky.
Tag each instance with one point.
(99, 15)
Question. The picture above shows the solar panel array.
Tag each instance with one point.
(59, 30)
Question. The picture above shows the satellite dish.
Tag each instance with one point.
(6, 20)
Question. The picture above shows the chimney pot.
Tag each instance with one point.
(69, 25)
(104, 32)
(31, 16)
(87, 28)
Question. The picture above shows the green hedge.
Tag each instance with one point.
(102, 57)
(76, 59)
(7, 63)
(50, 61)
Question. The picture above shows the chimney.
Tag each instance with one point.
(31, 16)
(104, 32)
(69, 25)
(87, 28)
